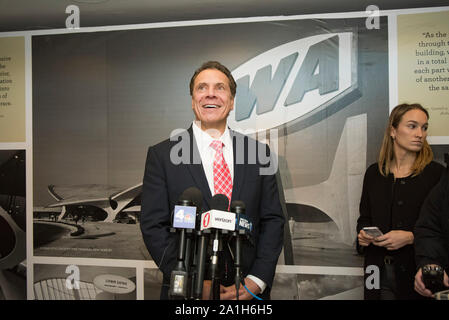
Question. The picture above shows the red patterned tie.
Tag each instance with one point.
(222, 175)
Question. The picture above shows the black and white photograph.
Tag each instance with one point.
(101, 100)
(80, 227)
(152, 281)
(317, 287)
(105, 99)
(75, 282)
(12, 225)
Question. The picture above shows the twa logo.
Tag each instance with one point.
(292, 80)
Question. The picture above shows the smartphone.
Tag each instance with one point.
(373, 231)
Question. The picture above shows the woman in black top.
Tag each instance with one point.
(393, 192)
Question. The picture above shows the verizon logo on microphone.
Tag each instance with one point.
(218, 219)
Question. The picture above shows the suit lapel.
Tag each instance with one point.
(197, 171)
(239, 169)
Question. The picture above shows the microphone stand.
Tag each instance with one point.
(238, 208)
(201, 263)
(190, 262)
(180, 279)
(215, 285)
(179, 275)
(192, 272)
(237, 263)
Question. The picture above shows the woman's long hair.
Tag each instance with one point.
(386, 155)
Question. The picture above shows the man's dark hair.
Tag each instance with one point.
(218, 66)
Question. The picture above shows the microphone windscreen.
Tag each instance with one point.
(194, 195)
(238, 206)
(219, 202)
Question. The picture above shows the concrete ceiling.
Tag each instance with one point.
(19, 15)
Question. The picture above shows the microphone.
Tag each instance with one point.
(241, 223)
(218, 204)
(190, 256)
(218, 219)
(195, 195)
(184, 214)
(184, 218)
(243, 227)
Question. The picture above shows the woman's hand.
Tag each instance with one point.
(394, 239)
(364, 239)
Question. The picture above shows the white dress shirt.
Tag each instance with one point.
(207, 153)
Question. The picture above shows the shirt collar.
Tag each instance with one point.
(204, 140)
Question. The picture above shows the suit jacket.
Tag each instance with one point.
(165, 180)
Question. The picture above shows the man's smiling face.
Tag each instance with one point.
(212, 99)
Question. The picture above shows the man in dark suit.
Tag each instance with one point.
(171, 168)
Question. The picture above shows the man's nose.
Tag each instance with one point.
(211, 92)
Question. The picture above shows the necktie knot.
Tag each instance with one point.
(217, 145)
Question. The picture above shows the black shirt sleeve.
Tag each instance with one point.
(432, 228)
